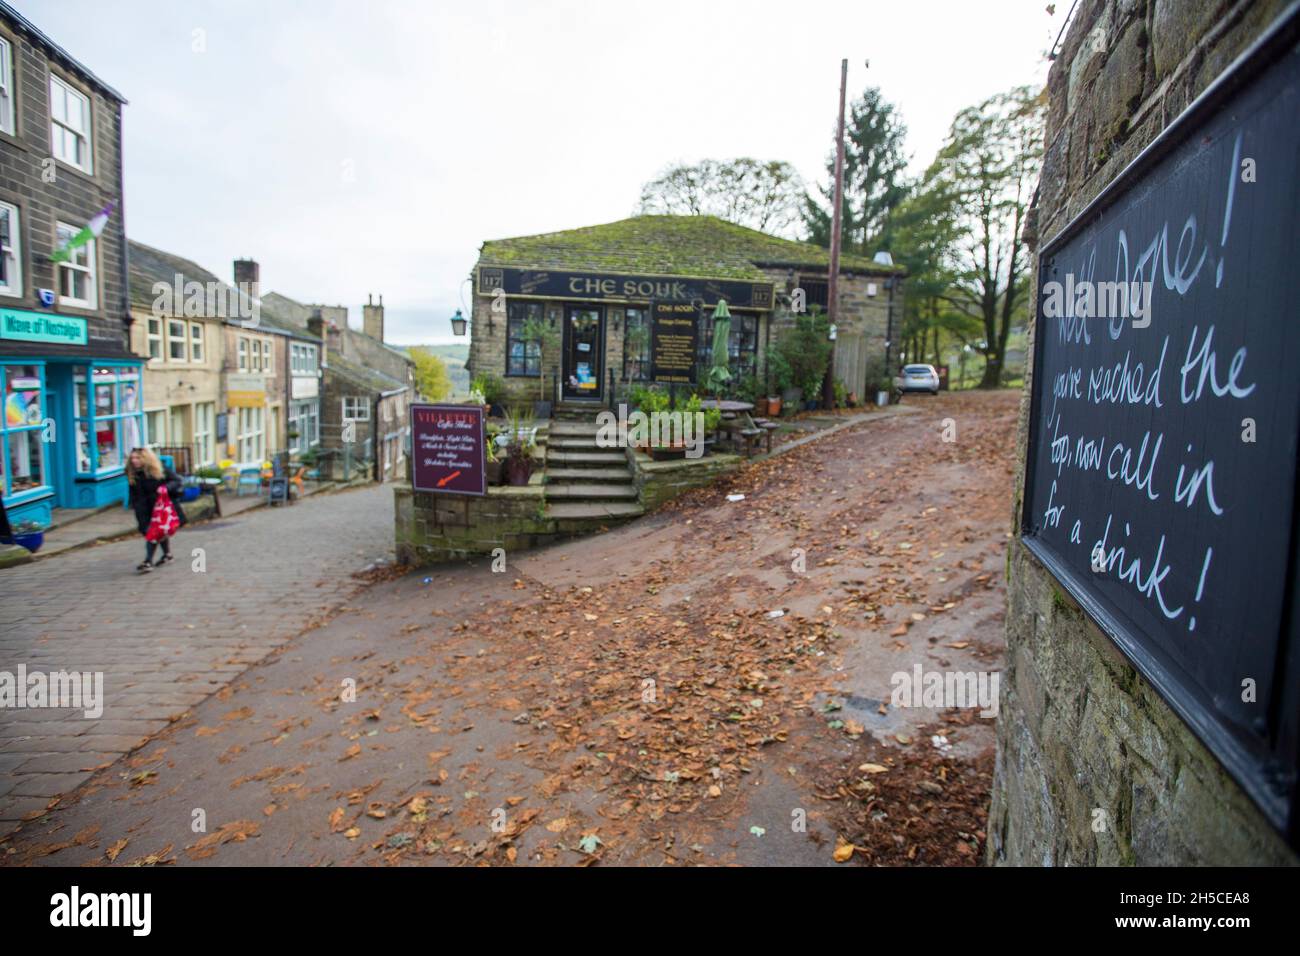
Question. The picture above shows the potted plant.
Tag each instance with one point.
(539, 332)
(520, 442)
(29, 534)
(490, 390)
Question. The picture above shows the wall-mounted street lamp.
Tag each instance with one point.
(833, 332)
(459, 323)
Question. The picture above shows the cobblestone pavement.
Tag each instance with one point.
(165, 641)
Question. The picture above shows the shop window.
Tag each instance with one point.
(155, 335)
(522, 358)
(69, 125)
(636, 345)
(7, 88)
(196, 342)
(816, 292)
(742, 345)
(109, 420)
(22, 431)
(176, 340)
(11, 253)
(77, 272)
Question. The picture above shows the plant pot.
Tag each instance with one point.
(773, 406)
(492, 472)
(190, 493)
(32, 540)
(792, 397)
(518, 471)
(761, 407)
(496, 411)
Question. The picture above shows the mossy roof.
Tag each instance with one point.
(703, 246)
(370, 379)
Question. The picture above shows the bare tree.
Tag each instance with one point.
(767, 196)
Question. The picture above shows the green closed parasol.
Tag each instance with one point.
(720, 374)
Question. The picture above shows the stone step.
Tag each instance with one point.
(574, 429)
(577, 443)
(594, 511)
(579, 458)
(599, 473)
(590, 490)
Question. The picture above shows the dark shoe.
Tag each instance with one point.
(144, 567)
(165, 558)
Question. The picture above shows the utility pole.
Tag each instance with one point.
(832, 285)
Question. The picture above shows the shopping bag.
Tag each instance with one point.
(164, 522)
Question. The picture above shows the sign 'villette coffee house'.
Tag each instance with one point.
(631, 302)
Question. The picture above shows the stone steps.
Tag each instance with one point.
(593, 511)
(577, 443)
(574, 429)
(565, 459)
(590, 490)
(598, 473)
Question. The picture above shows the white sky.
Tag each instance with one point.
(370, 147)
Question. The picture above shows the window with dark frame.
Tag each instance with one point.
(636, 345)
(522, 358)
(742, 345)
(816, 292)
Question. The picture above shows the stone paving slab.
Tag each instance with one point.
(239, 588)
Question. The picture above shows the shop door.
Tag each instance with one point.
(584, 350)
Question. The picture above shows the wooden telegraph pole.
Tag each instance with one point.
(832, 285)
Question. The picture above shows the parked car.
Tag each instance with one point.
(919, 378)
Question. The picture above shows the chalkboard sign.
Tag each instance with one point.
(674, 341)
(1161, 470)
(448, 451)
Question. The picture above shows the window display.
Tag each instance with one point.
(23, 430)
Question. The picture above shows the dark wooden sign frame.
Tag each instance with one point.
(1265, 759)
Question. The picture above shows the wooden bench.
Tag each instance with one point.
(754, 431)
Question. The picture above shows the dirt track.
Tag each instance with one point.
(633, 698)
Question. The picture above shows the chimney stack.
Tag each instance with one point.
(247, 271)
(372, 318)
(316, 326)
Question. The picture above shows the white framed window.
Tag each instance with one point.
(69, 124)
(176, 340)
(76, 274)
(243, 355)
(205, 415)
(249, 435)
(11, 253)
(155, 428)
(7, 112)
(154, 334)
(355, 409)
(196, 342)
(266, 355)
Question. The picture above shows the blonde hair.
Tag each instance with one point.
(152, 466)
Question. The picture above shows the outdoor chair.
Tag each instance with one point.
(251, 478)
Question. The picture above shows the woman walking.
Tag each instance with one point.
(153, 485)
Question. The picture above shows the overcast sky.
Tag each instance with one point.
(371, 147)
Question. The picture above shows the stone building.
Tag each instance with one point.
(70, 384)
(1094, 766)
(225, 375)
(593, 288)
(366, 388)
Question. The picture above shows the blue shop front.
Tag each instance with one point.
(72, 413)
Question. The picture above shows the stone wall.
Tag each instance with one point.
(434, 528)
(658, 481)
(1079, 730)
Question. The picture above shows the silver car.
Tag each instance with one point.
(919, 378)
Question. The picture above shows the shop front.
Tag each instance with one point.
(72, 414)
(568, 316)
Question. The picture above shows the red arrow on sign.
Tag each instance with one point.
(442, 482)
